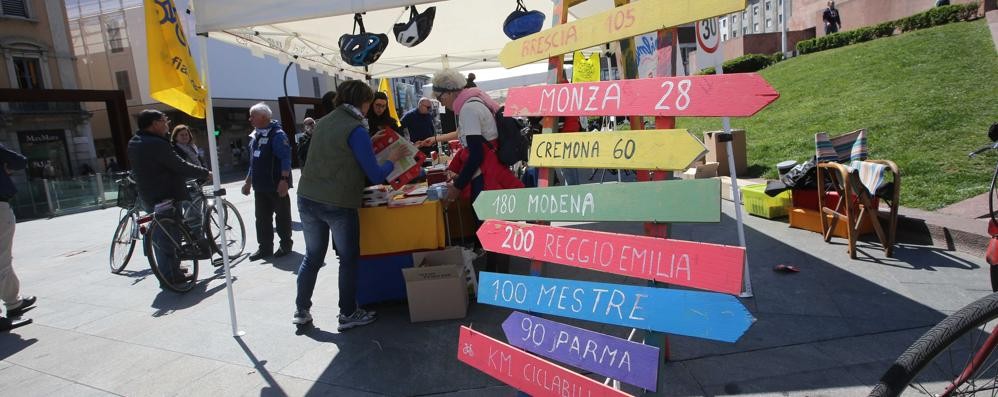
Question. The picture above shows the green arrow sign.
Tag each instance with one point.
(691, 201)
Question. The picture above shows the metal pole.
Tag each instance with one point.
(736, 193)
(100, 190)
(783, 35)
(48, 196)
(217, 183)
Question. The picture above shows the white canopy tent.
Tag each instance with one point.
(466, 34)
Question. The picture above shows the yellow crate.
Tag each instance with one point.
(758, 203)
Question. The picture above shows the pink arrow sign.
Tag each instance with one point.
(729, 95)
(529, 374)
(705, 266)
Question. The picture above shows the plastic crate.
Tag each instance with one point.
(758, 203)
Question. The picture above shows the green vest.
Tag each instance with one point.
(332, 174)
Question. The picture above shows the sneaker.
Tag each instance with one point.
(358, 318)
(282, 251)
(260, 254)
(301, 317)
(26, 302)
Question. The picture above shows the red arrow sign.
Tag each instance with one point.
(523, 371)
(730, 95)
(698, 265)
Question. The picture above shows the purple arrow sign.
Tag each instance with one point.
(620, 359)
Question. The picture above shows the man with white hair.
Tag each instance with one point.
(270, 176)
(419, 123)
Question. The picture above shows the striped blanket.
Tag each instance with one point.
(841, 149)
(871, 175)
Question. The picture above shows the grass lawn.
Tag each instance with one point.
(926, 97)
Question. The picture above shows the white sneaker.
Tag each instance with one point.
(358, 318)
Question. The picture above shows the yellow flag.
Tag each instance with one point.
(173, 76)
(384, 87)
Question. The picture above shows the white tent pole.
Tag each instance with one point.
(217, 180)
(736, 193)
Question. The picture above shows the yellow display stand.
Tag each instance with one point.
(385, 230)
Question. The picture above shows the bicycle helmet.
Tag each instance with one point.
(364, 48)
(417, 29)
(522, 23)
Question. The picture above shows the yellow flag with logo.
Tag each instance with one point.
(384, 87)
(585, 69)
(173, 76)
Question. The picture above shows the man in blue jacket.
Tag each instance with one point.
(270, 176)
(10, 286)
(419, 123)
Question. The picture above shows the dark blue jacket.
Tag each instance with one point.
(12, 161)
(269, 156)
(420, 125)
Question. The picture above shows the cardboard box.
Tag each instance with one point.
(700, 171)
(717, 152)
(436, 287)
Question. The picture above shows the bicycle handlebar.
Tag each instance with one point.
(990, 146)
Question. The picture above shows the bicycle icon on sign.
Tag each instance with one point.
(467, 350)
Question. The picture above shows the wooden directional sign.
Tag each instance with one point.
(705, 315)
(621, 359)
(615, 24)
(523, 371)
(730, 95)
(695, 201)
(699, 265)
(664, 150)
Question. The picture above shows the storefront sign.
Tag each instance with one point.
(618, 23)
(733, 95)
(705, 315)
(711, 267)
(663, 150)
(621, 359)
(529, 374)
(689, 201)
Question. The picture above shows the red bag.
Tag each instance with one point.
(495, 175)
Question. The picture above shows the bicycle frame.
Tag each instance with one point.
(975, 363)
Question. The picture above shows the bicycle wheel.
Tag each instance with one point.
(123, 241)
(178, 240)
(937, 358)
(235, 230)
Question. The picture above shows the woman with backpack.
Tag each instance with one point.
(477, 165)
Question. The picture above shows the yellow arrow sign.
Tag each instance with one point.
(618, 23)
(663, 150)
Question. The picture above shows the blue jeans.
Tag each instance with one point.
(319, 221)
(163, 239)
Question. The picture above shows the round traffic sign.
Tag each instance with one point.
(708, 35)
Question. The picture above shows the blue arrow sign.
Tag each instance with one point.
(705, 315)
(620, 359)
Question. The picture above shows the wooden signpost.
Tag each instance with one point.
(735, 95)
(705, 315)
(693, 201)
(698, 265)
(615, 24)
(631, 362)
(523, 371)
(638, 150)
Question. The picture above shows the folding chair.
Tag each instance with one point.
(857, 184)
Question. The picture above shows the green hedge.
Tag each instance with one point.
(743, 64)
(933, 17)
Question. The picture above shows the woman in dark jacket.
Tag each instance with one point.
(378, 117)
(183, 144)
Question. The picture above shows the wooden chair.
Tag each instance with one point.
(855, 204)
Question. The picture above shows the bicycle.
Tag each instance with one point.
(127, 231)
(959, 347)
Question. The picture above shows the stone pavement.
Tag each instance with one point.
(830, 330)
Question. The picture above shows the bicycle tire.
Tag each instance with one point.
(930, 345)
(184, 240)
(124, 235)
(237, 246)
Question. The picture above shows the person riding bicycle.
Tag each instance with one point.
(160, 175)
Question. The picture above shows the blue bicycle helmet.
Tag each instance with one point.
(522, 23)
(417, 29)
(364, 48)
